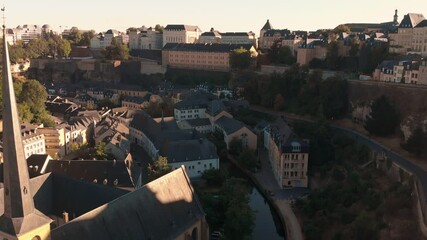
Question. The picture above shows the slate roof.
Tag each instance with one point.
(211, 34)
(387, 65)
(281, 32)
(106, 172)
(181, 27)
(232, 34)
(285, 137)
(215, 107)
(193, 101)
(423, 23)
(198, 122)
(137, 100)
(230, 125)
(154, 55)
(267, 25)
(411, 20)
(161, 209)
(189, 150)
(201, 47)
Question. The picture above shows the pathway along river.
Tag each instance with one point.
(267, 222)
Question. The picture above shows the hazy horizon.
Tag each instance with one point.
(237, 15)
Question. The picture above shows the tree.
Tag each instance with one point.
(341, 29)
(159, 28)
(334, 97)
(63, 48)
(214, 177)
(279, 102)
(101, 151)
(239, 217)
(116, 51)
(235, 146)
(33, 94)
(332, 57)
(417, 142)
(309, 99)
(159, 168)
(273, 52)
(86, 37)
(37, 48)
(74, 36)
(248, 159)
(285, 56)
(384, 117)
(240, 58)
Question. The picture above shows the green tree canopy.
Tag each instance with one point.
(159, 168)
(384, 117)
(100, 150)
(159, 28)
(285, 56)
(334, 97)
(240, 58)
(417, 142)
(116, 51)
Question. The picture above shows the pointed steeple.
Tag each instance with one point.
(267, 26)
(19, 215)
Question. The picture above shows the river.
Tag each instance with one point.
(267, 222)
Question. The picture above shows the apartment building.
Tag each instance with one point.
(403, 40)
(212, 57)
(409, 70)
(234, 129)
(420, 38)
(309, 51)
(33, 140)
(288, 155)
(179, 33)
(145, 38)
(422, 77)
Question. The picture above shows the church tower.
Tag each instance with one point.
(395, 21)
(20, 219)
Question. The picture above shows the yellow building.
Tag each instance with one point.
(212, 57)
(288, 155)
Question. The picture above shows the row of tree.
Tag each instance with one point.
(298, 91)
(31, 97)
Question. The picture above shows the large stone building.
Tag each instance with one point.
(53, 206)
(288, 155)
(145, 38)
(33, 140)
(404, 40)
(212, 57)
(234, 129)
(214, 36)
(180, 33)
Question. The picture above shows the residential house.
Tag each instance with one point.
(234, 129)
(385, 71)
(212, 57)
(179, 33)
(33, 141)
(136, 103)
(288, 155)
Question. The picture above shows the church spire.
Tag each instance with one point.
(19, 215)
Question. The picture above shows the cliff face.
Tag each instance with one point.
(411, 101)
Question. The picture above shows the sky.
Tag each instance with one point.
(223, 15)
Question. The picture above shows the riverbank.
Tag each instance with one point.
(264, 181)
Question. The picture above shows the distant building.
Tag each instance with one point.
(404, 40)
(409, 70)
(145, 38)
(288, 155)
(234, 129)
(314, 50)
(179, 33)
(181, 147)
(103, 40)
(212, 57)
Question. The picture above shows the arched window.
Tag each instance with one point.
(194, 234)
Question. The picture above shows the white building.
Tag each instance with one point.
(33, 141)
(103, 40)
(181, 34)
(145, 38)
